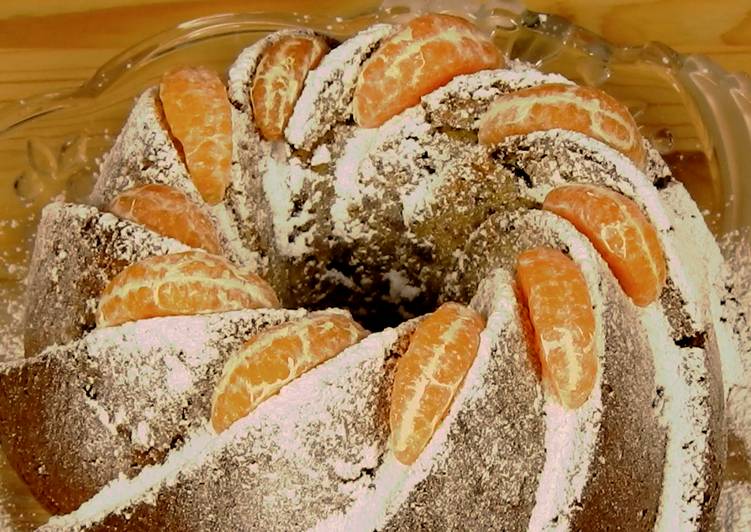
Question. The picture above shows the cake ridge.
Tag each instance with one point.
(279, 413)
(136, 389)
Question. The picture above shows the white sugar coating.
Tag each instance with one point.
(329, 87)
(378, 503)
(242, 212)
(694, 258)
(179, 379)
(683, 409)
(143, 153)
(570, 435)
(283, 181)
(141, 435)
(322, 155)
(735, 316)
(416, 195)
(102, 415)
(242, 71)
(416, 199)
(694, 261)
(310, 399)
(688, 246)
(338, 277)
(734, 511)
(11, 321)
(348, 188)
(399, 287)
(482, 87)
(356, 175)
(235, 249)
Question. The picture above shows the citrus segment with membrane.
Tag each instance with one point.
(620, 232)
(425, 54)
(556, 296)
(198, 113)
(586, 110)
(169, 212)
(279, 80)
(275, 357)
(186, 283)
(428, 375)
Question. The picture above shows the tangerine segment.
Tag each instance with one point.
(186, 283)
(279, 81)
(425, 54)
(198, 113)
(170, 212)
(440, 353)
(557, 297)
(620, 231)
(586, 110)
(275, 357)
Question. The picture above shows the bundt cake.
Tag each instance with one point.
(549, 300)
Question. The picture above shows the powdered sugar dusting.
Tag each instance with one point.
(429, 487)
(131, 393)
(463, 100)
(328, 88)
(734, 511)
(570, 435)
(688, 377)
(671, 210)
(682, 406)
(283, 183)
(348, 188)
(400, 288)
(335, 401)
(143, 153)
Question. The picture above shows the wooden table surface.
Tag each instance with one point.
(49, 45)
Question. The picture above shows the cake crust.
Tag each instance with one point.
(77, 251)
(131, 394)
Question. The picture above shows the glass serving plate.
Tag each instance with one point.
(697, 115)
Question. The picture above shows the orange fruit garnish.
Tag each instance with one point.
(169, 212)
(198, 113)
(586, 110)
(620, 231)
(275, 357)
(279, 79)
(556, 295)
(425, 54)
(186, 283)
(428, 375)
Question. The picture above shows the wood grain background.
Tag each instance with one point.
(48, 45)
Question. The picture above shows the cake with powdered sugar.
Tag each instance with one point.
(548, 305)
